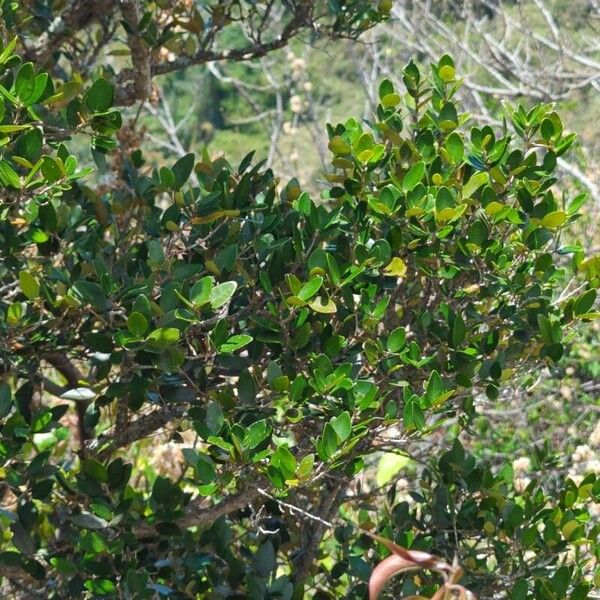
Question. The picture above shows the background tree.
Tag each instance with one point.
(280, 343)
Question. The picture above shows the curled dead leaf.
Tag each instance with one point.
(402, 560)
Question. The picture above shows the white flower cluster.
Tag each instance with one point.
(521, 466)
(298, 66)
(289, 129)
(167, 460)
(585, 459)
(296, 104)
(166, 55)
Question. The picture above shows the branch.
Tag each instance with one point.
(140, 57)
(199, 514)
(313, 534)
(20, 578)
(171, 128)
(302, 18)
(576, 173)
(76, 16)
(53, 388)
(73, 376)
(65, 367)
(113, 439)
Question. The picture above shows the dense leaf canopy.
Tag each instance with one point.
(281, 340)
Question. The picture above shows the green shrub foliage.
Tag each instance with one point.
(293, 336)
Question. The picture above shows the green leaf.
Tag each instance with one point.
(547, 129)
(137, 324)
(396, 268)
(519, 590)
(51, 169)
(246, 387)
(88, 520)
(256, 433)
(235, 342)
(391, 100)
(205, 469)
(447, 73)
(167, 178)
(25, 82)
(8, 49)
(413, 417)
(435, 387)
(577, 203)
(21, 539)
(306, 465)
(386, 87)
(474, 183)
(264, 560)
(411, 78)
(182, 169)
(29, 285)
(284, 460)
(414, 176)
(14, 128)
(64, 566)
(390, 464)
(163, 490)
(29, 145)
(455, 147)
(553, 351)
(64, 94)
(342, 425)
(200, 291)
(81, 394)
(554, 219)
(8, 176)
(584, 303)
(214, 417)
(99, 97)
(310, 288)
(162, 338)
(459, 331)
(338, 146)
(40, 84)
(545, 328)
(92, 293)
(328, 442)
(222, 293)
(6, 399)
(396, 339)
(100, 587)
(95, 470)
(323, 306)
(156, 254)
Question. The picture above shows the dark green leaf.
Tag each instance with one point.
(182, 169)
(99, 97)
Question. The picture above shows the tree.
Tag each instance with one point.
(281, 342)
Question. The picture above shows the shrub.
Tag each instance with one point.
(282, 341)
